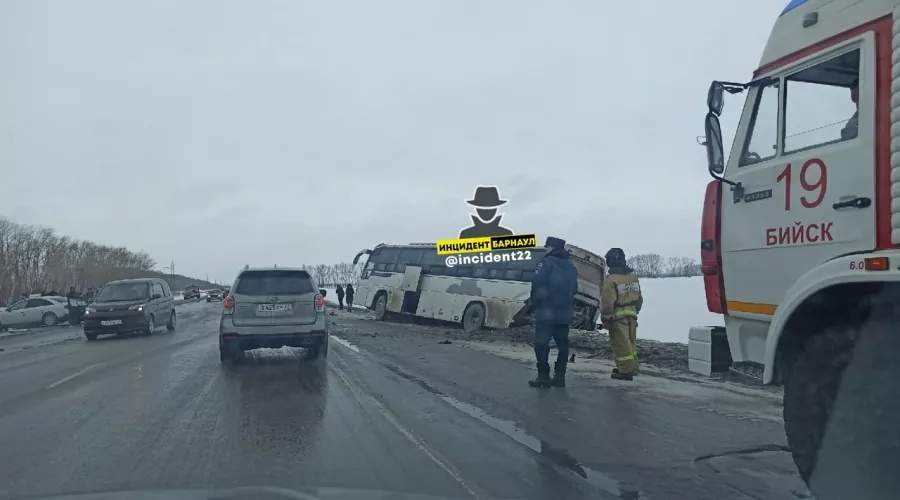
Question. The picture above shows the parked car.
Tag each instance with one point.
(214, 295)
(192, 292)
(125, 306)
(273, 307)
(48, 310)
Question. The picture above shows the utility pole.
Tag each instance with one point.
(171, 269)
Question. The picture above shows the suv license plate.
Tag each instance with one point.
(111, 322)
(270, 308)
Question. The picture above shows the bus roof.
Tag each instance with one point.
(576, 251)
(788, 35)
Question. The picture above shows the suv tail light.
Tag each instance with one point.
(711, 249)
(320, 303)
(229, 304)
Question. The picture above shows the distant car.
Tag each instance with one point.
(48, 311)
(192, 292)
(136, 305)
(214, 295)
(273, 307)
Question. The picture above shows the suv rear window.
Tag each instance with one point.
(275, 283)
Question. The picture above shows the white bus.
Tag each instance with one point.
(413, 279)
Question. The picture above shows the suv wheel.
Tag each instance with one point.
(171, 324)
(151, 326)
(91, 336)
(318, 352)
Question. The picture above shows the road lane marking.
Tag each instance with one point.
(419, 443)
(70, 377)
(344, 343)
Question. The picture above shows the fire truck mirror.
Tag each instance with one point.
(715, 99)
(714, 154)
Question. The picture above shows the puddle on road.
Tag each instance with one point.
(558, 456)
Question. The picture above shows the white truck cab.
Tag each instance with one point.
(801, 224)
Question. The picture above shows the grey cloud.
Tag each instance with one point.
(303, 131)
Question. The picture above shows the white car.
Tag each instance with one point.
(48, 311)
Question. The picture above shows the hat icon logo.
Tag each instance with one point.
(485, 221)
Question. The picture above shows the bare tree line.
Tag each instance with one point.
(653, 265)
(645, 265)
(332, 275)
(35, 259)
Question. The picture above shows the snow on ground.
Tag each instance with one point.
(671, 307)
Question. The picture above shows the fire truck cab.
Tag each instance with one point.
(801, 224)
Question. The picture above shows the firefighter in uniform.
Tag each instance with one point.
(620, 304)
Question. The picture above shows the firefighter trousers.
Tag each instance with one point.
(623, 338)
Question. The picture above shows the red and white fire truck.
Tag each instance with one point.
(801, 226)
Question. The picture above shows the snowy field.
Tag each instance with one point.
(671, 307)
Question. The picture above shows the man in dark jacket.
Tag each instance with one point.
(340, 293)
(349, 293)
(552, 299)
(72, 296)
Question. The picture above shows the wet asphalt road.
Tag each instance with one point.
(160, 412)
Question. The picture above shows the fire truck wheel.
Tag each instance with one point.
(810, 391)
(841, 400)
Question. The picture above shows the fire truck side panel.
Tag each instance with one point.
(848, 269)
(786, 224)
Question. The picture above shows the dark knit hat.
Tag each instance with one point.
(554, 242)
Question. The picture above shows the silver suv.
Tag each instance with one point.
(273, 307)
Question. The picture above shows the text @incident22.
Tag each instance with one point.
(486, 258)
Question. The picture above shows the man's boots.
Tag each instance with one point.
(617, 375)
(543, 377)
(559, 375)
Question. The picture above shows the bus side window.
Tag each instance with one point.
(451, 271)
(513, 274)
(426, 270)
(380, 266)
(527, 275)
(481, 272)
(411, 256)
(465, 272)
(522, 264)
(430, 258)
(437, 270)
(496, 273)
(399, 268)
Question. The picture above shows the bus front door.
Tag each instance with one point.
(407, 300)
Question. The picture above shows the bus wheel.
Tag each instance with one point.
(473, 317)
(810, 391)
(381, 307)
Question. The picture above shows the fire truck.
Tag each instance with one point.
(801, 228)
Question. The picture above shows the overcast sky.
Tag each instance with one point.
(222, 133)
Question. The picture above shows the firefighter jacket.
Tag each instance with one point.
(621, 296)
(553, 289)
